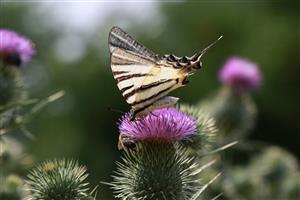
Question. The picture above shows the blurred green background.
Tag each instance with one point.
(72, 55)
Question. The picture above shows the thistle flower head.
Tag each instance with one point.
(240, 74)
(58, 180)
(15, 49)
(167, 124)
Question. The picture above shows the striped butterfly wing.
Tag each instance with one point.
(119, 39)
(141, 79)
(130, 71)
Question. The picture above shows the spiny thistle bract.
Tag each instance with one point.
(206, 128)
(12, 96)
(11, 87)
(234, 114)
(160, 167)
(58, 180)
(156, 170)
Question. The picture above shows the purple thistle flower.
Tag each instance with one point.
(240, 74)
(167, 124)
(15, 48)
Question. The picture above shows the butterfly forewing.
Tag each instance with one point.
(120, 39)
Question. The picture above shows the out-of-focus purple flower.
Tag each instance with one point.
(167, 124)
(14, 48)
(240, 74)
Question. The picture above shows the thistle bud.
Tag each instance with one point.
(58, 180)
(240, 74)
(15, 49)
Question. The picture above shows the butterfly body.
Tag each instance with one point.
(145, 78)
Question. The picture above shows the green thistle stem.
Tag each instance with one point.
(11, 86)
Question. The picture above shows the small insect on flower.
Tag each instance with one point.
(15, 49)
(126, 142)
(145, 78)
(240, 74)
(166, 124)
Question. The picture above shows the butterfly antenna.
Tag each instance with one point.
(115, 110)
(201, 53)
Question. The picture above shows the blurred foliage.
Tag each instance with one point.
(270, 173)
(11, 187)
(80, 124)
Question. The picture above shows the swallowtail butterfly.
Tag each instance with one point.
(145, 78)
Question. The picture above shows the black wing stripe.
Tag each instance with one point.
(151, 97)
(122, 61)
(135, 112)
(156, 83)
(119, 38)
(131, 58)
(126, 88)
(126, 77)
(119, 72)
(122, 40)
(146, 87)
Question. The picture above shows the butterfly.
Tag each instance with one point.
(145, 78)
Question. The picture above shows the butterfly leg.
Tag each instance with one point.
(151, 113)
(185, 81)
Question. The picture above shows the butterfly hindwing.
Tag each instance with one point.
(163, 102)
(130, 71)
(140, 81)
(162, 81)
